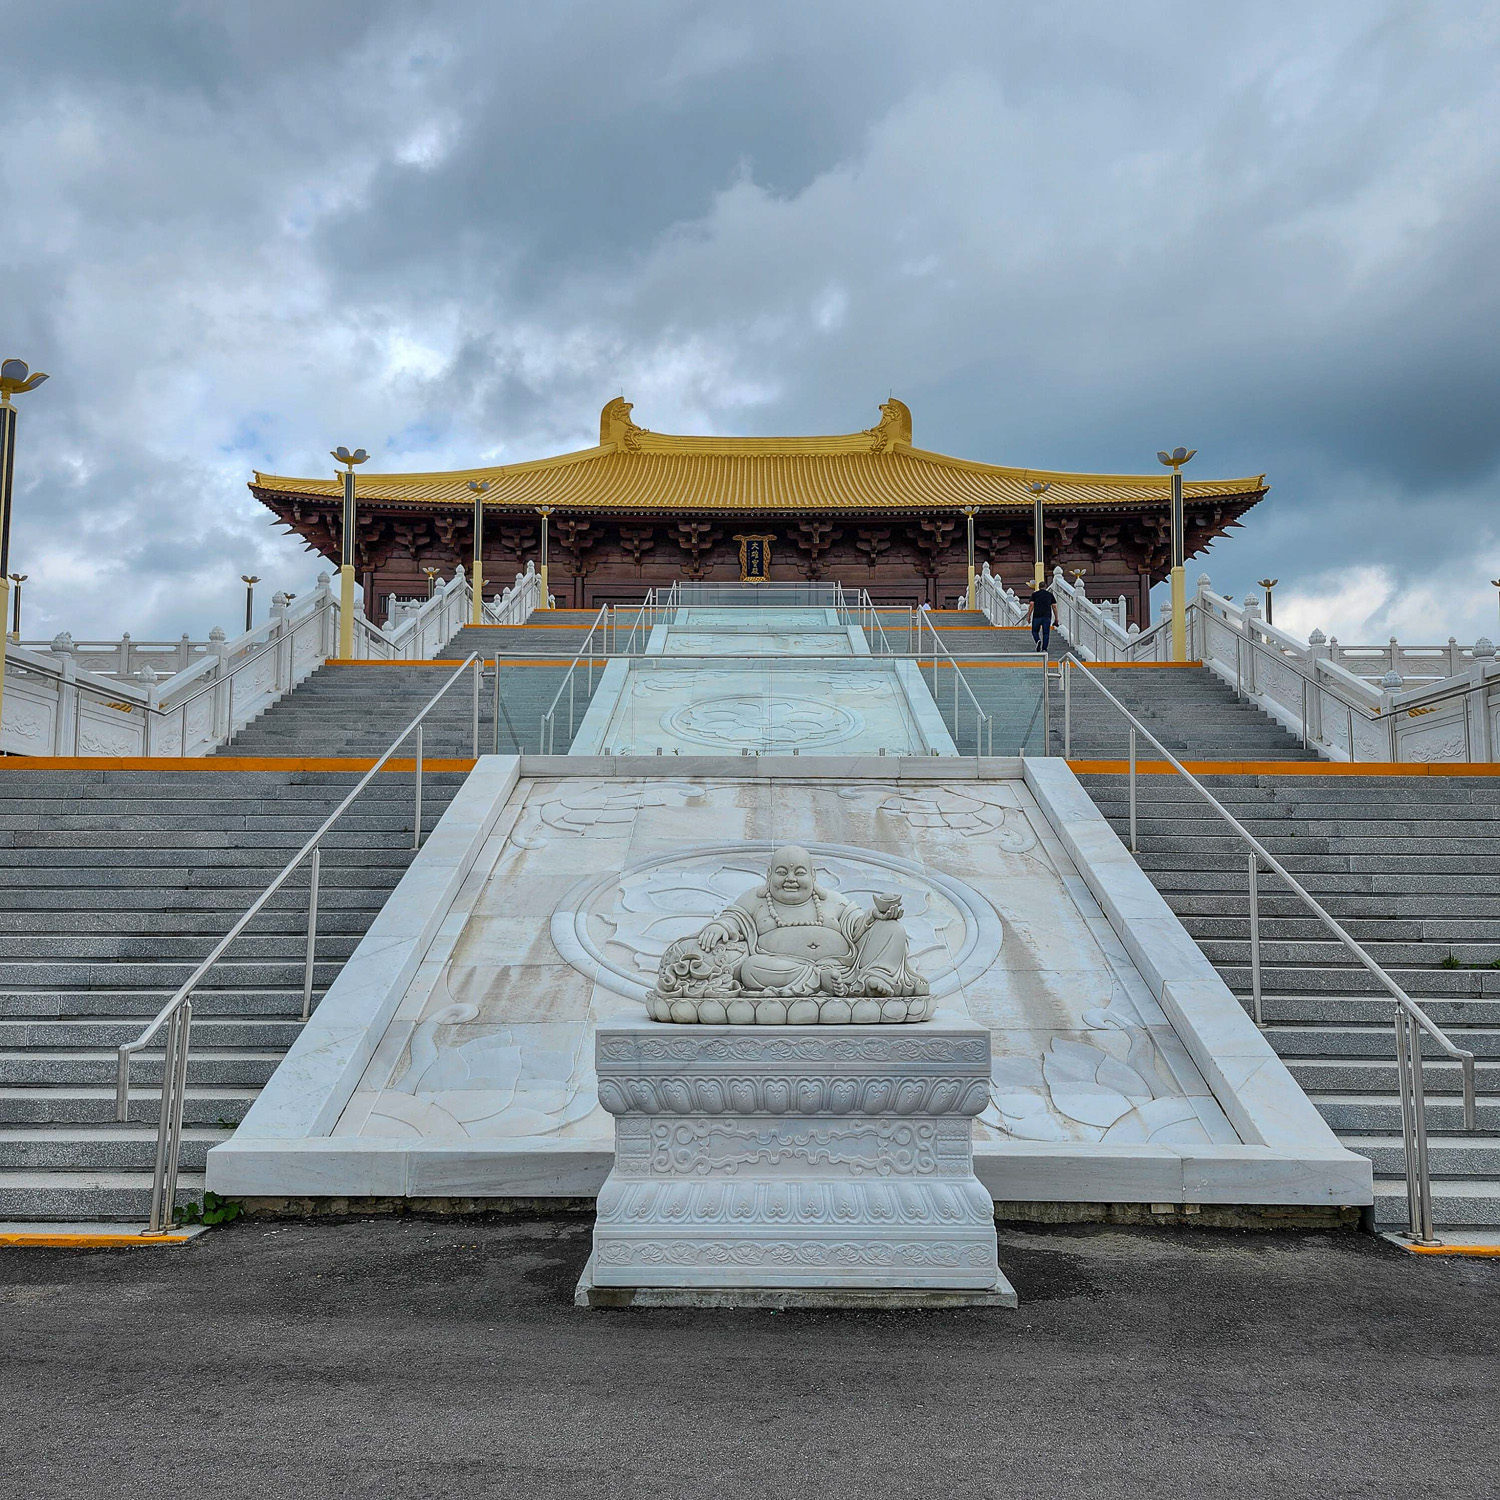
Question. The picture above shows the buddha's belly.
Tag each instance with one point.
(809, 943)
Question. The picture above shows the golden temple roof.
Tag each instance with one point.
(633, 469)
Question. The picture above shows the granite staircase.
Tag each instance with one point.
(1410, 866)
(355, 709)
(114, 884)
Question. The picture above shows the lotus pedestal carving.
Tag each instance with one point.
(832, 1159)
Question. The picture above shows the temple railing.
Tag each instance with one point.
(1309, 688)
(55, 707)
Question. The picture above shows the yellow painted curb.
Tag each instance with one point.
(41, 1240)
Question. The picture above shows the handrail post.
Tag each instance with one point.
(478, 666)
(314, 871)
(169, 1125)
(1046, 707)
(1255, 995)
(1067, 712)
(495, 739)
(1413, 1129)
(416, 828)
(1134, 849)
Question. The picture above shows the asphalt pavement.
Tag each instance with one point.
(411, 1357)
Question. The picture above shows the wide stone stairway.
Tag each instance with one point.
(1410, 866)
(114, 884)
(1190, 710)
(356, 709)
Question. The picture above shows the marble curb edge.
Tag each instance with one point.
(1253, 1086)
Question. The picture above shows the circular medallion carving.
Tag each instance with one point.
(615, 927)
(771, 721)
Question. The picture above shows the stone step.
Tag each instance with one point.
(1350, 1042)
(1418, 983)
(79, 1196)
(1380, 1114)
(100, 1148)
(1449, 934)
(160, 946)
(228, 972)
(1476, 1155)
(95, 1104)
(1374, 1009)
(209, 1000)
(255, 1033)
(1376, 1075)
(1457, 1202)
(206, 1067)
(335, 919)
(1228, 952)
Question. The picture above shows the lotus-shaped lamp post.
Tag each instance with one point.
(479, 488)
(969, 513)
(15, 615)
(16, 378)
(1268, 584)
(346, 556)
(1174, 461)
(249, 580)
(1038, 488)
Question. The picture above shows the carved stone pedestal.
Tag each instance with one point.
(835, 1159)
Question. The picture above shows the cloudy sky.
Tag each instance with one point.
(1066, 234)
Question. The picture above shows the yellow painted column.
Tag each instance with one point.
(545, 602)
(1038, 488)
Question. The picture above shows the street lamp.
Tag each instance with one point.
(969, 512)
(1495, 583)
(1268, 584)
(15, 630)
(15, 377)
(432, 574)
(346, 559)
(1038, 488)
(544, 511)
(249, 580)
(1174, 461)
(480, 488)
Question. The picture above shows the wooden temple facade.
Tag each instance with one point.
(867, 508)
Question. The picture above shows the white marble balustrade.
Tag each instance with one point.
(57, 704)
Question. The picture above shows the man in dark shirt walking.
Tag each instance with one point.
(1043, 602)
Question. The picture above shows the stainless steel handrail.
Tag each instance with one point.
(177, 1013)
(548, 719)
(1410, 1019)
(984, 724)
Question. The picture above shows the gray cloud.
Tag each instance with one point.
(1065, 235)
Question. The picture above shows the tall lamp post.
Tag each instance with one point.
(1495, 583)
(15, 378)
(1038, 488)
(15, 610)
(346, 554)
(1174, 461)
(249, 580)
(1268, 584)
(432, 575)
(969, 512)
(544, 511)
(480, 488)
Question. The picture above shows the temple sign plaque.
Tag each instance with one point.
(755, 557)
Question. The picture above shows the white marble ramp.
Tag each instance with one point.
(454, 1056)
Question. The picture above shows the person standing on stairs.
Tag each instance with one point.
(1042, 603)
